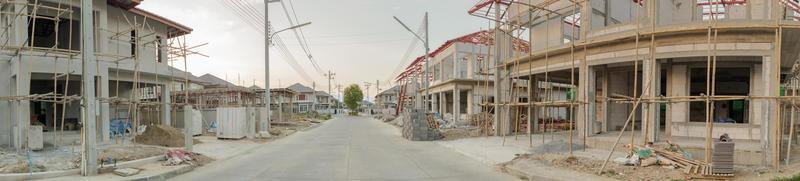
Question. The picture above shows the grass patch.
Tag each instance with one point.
(795, 177)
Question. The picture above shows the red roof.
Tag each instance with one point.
(484, 37)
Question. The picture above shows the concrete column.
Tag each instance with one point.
(105, 112)
(470, 102)
(22, 109)
(770, 107)
(585, 112)
(533, 123)
(605, 105)
(678, 78)
(456, 104)
(188, 124)
(166, 106)
(650, 84)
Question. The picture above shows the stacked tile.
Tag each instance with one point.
(722, 157)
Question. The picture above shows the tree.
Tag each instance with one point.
(352, 97)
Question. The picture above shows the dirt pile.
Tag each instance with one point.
(160, 135)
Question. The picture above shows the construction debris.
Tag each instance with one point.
(179, 156)
(125, 172)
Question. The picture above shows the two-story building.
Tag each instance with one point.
(40, 53)
(386, 101)
(460, 75)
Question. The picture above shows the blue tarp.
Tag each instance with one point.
(118, 126)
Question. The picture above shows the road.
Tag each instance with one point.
(347, 148)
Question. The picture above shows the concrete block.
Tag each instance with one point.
(126, 172)
(35, 138)
(232, 122)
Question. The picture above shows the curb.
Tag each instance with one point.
(59, 173)
(166, 175)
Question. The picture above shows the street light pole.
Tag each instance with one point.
(267, 37)
(265, 125)
(427, 58)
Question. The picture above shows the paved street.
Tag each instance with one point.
(347, 148)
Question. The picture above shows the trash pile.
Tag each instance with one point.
(179, 156)
(673, 157)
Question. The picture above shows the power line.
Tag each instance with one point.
(256, 21)
(355, 43)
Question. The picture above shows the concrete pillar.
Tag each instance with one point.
(586, 89)
(188, 124)
(532, 118)
(769, 107)
(22, 109)
(678, 78)
(650, 84)
(89, 103)
(604, 104)
(166, 106)
(456, 104)
(105, 112)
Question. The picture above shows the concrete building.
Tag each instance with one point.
(325, 103)
(307, 99)
(460, 78)
(386, 101)
(663, 53)
(49, 63)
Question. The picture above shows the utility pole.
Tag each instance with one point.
(89, 156)
(422, 103)
(330, 75)
(339, 89)
(267, 36)
(366, 88)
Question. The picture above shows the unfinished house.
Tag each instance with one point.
(459, 71)
(281, 103)
(386, 101)
(41, 74)
(681, 70)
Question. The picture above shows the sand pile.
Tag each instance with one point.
(161, 135)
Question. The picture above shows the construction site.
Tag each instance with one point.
(134, 92)
(683, 79)
(542, 90)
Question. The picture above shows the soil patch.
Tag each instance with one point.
(591, 166)
(129, 153)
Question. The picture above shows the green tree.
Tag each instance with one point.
(352, 97)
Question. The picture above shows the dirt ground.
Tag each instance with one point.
(128, 153)
(590, 166)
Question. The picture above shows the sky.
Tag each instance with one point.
(357, 40)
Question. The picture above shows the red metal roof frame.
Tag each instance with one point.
(484, 37)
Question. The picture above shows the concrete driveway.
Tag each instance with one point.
(348, 148)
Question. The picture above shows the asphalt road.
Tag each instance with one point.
(347, 148)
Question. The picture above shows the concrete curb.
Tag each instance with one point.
(54, 174)
(166, 175)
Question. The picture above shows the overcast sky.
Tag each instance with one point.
(356, 39)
